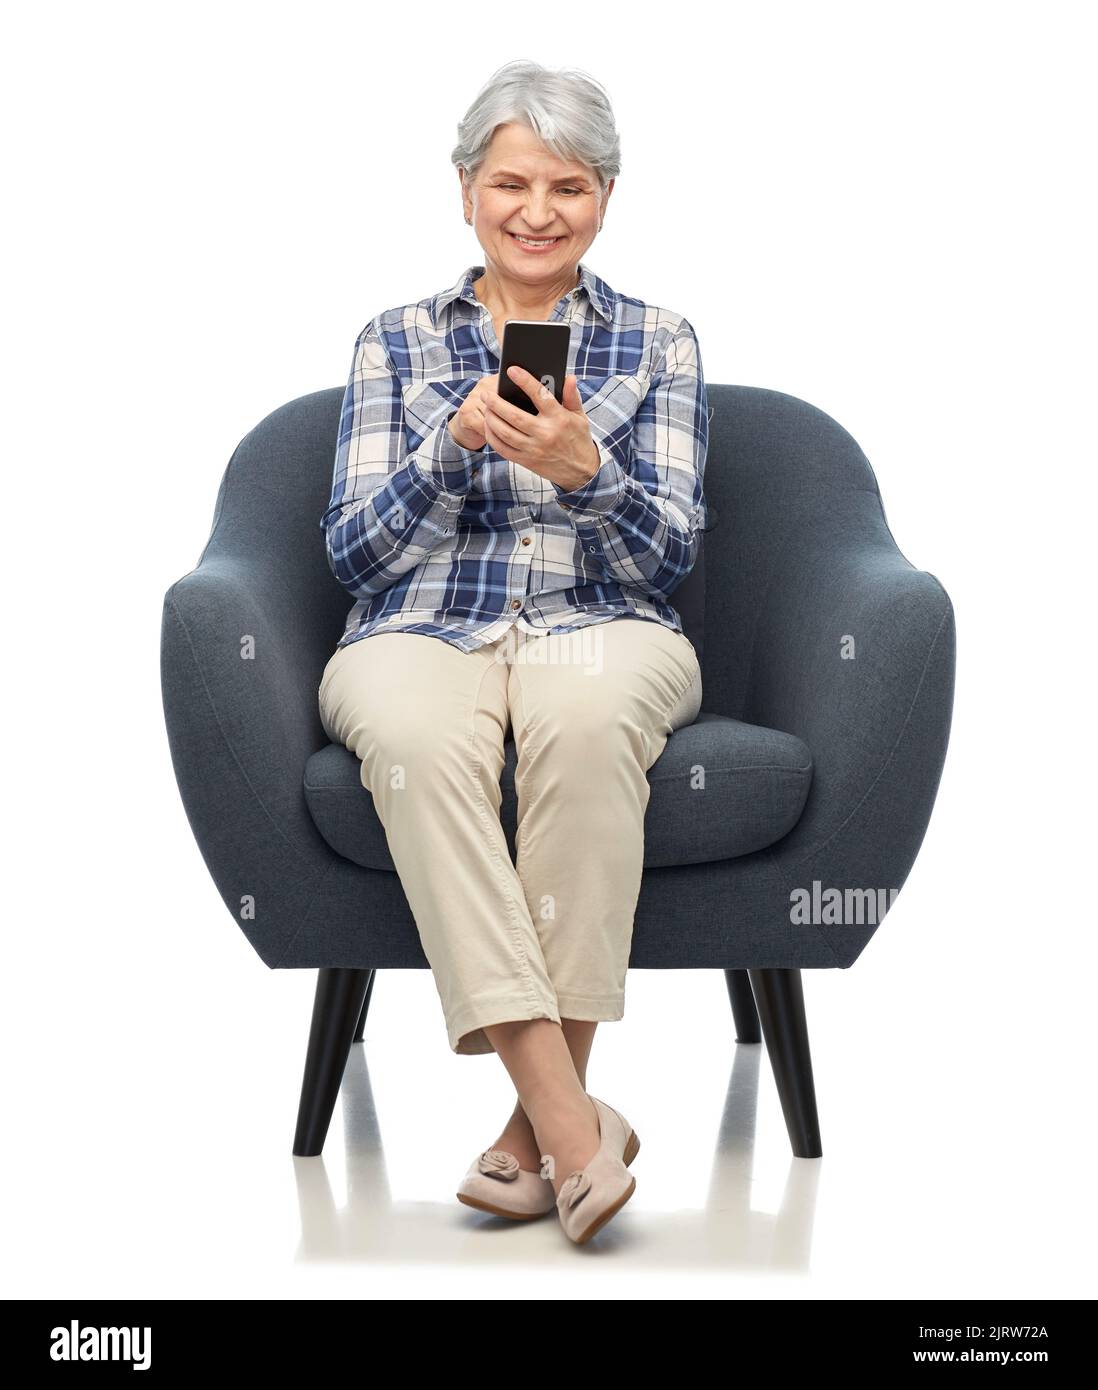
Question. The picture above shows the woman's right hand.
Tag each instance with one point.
(467, 425)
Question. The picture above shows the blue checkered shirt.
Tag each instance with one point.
(462, 544)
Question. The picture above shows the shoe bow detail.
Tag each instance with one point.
(498, 1163)
(574, 1188)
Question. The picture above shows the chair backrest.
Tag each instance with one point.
(766, 450)
(776, 467)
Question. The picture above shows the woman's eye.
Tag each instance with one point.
(563, 190)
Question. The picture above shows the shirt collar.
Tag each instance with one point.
(599, 293)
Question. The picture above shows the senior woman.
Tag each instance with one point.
(513, 572)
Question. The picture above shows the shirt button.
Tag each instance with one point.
(516, 603)
(526, 541)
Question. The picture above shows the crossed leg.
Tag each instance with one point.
(527, 958)
(592, 712)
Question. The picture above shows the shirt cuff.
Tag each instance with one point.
(599, 494)
(441, 459)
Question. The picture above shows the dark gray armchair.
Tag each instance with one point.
(781, 824)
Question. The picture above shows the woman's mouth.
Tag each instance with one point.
(535, 245)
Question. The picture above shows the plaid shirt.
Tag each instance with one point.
(462, 544)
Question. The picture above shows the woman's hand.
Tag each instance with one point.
(556, 442)
(467, 424)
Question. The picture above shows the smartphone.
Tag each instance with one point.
(539, 347)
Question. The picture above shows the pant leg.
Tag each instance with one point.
(592, 711)
(428, 722)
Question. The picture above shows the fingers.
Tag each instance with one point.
(542, 397)
(508, 411)
(500, 429)
(470, 417)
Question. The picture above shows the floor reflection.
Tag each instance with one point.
(724, 1233)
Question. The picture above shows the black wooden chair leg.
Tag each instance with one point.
(744, 1014)
(336, 1009)
(779, 999)
(365, 1009)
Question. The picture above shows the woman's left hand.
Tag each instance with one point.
(556, 442)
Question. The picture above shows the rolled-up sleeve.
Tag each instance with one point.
(641, 520)
(389, 506)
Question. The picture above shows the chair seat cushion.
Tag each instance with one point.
(720, 789)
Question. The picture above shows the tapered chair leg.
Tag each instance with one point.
(336, 1009)
(365, 1009)
(780, 1002)
(744, 1014)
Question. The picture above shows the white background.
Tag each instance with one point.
(885, 210)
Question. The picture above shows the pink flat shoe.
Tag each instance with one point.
(496, 1183)
(589, 1197)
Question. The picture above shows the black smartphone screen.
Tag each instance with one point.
(542, 349)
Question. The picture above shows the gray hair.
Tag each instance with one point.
(566, 109)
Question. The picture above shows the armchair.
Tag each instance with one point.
(781, 824)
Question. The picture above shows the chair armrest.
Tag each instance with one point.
(242, 653)
(855, 652)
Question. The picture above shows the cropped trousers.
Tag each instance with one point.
(547, 935)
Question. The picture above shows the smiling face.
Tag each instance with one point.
(522, 189)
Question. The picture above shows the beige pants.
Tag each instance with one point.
(549, 935)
